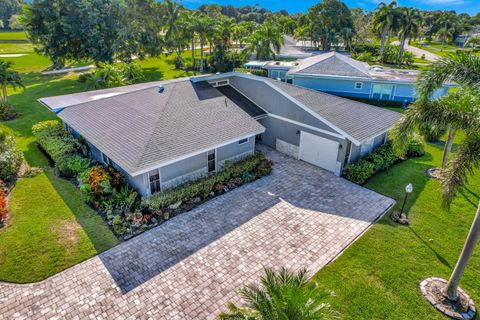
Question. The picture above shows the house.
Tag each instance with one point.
(161, 134)
(341, 75)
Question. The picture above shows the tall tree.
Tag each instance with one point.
(328, 18)
(266, 42)
(203, 26)
(448, 21)
(463, 113)
(385, 20)
(8, 8)
(8, 78)
(101, 30)
(283, 295)
(410, 23)
(175, 35)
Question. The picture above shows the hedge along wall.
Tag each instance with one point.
(380, 160)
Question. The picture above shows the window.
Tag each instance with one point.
(155, 182)
(358, 85)
(382, 91)
(243, 141)
(211, 161)
(106, 159)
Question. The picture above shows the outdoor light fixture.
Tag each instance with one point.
(408, 190)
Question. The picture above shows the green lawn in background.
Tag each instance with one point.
(13, 35)
(378, 276)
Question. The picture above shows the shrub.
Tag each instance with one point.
(432, 134)
(359, 172)
(71, 165)
(54, 139)
(3, 204)
(416, 148)
(364, 56)
(7, 111)
(243, 171)
(256, 72)
(10, 158)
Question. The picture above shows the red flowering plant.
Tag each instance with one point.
(3, 204)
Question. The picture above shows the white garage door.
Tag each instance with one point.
(318, 151)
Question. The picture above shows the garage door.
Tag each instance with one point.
(318, 151)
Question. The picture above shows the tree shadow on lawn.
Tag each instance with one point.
(439, 257)
(92, 224)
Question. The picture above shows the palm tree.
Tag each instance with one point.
(474, 41)
(9, 78)
(410, 23)
(266, 41)
(462, 69)
(283, 295)
(347, 35)
(447, 20)
(385, 21)
(203, 25)
(464, 115)
(174, 30)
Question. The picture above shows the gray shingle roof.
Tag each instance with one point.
(144, 128)
(359, 120)
(333, 64)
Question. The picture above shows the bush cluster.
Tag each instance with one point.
(105, 190)
(371, 53)
(54, 139)
(11, 158)
(256, 72)
(7, 111)
(379, 160)
(432, 134)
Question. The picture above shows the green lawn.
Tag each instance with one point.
(51, 227)
(378, 276)
(12, 35)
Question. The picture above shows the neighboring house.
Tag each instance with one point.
(341, 75)
(161, 134)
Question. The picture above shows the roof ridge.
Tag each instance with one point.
(349, 60)
(154, 128)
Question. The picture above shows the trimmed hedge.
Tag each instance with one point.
(379, 160)
(246, 170)
(54, 139)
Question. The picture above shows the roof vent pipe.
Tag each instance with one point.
(161, 88)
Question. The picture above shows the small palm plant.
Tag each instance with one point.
(8, 78)
(283, 295)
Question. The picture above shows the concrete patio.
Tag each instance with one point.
(190, 267)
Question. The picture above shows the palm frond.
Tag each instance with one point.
(467, 158)
(462, 68)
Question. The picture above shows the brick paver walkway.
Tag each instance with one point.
(191, 266)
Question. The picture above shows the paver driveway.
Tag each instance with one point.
(189, 267)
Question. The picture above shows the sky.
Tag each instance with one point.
(471, 7)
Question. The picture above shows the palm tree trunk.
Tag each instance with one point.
(400, 50)
(472, 239)
(202, 40)
(448, 146)
(4, 93)
(193, 50)
(382, 43)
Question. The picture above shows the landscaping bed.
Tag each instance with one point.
(380, 160)
(124, 211)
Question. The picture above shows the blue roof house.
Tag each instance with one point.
(338, 74)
